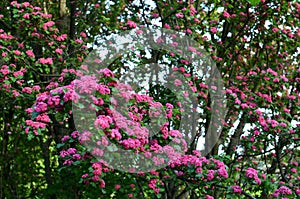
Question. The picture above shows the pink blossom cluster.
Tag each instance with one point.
(218, 172)
(253, 174)
(283, 190)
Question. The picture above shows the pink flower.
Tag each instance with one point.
(213, 30)
(75, 134)
(59, 51)
(36, 88)
(26, 4)
(79, 41)
(210, 175)
(103, 121)
(27, 90)
(222, 172)
(62, 37)
(293, 170)
(237, 189)
(26, 16)
(167, 26)
(251, 173)
(179, 15)
(117, 187)
(131, 24)
(76, 156)
(65, 138)
(71, 151)
(189, 31)
(83, 34)
(85, 175)
(46, 61)
(209, 197)
(275, 29)
(29, 53)
(177, 82)
(282, 190)
(63, 154)
(226, 14)
(48, 24)
(17, 52)
(17, 73)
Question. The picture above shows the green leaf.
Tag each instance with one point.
(254, 2)
(76, 163)
(30, 136)
(60, 145)
(34, 115)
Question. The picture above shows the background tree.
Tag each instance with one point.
(255, 47)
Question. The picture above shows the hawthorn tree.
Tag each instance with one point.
(255, 46)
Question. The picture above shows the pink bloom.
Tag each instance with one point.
(17, 52)
(62, 37)
(131, 24)
(179, 15)
(210, 175)
(177, 82)
(59, 51)
(71, 151)
(117, 187)
(26, 16)
(63, 154)
(167, 26)
(275, 29)
(251, 173)
(85, 175)
(27, 90)
(102, 184)
(17, 73)
(192, 49)
(36, 88)
(282, 190)
(103, 121)
(96, 178)
(237, 189)
(46, 60)
(65, 138)
(76, 156)
(155, 15)
(29, 53)
(226, 14)
(189, 31)
(75, 134)
(26, 4)
(213, 30)
(83, 34)
(79, 41)
(48, 24)
(222, 172)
